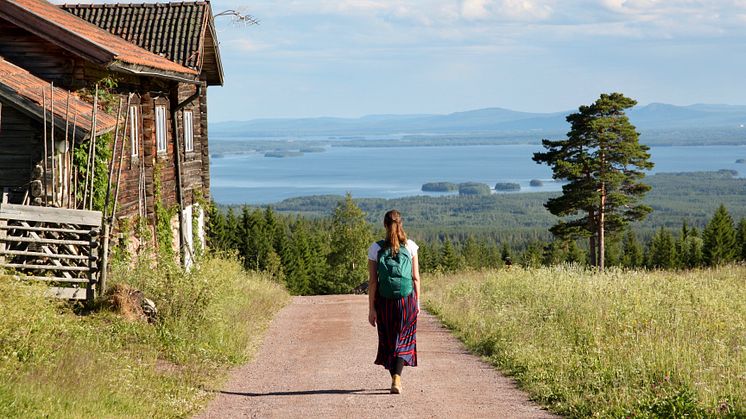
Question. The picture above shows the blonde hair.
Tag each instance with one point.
(395, 235)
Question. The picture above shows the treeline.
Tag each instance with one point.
(327, 255)
(308, 255)
(721, 241)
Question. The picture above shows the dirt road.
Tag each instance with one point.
(317, 361)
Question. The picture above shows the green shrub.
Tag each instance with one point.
(54, 362)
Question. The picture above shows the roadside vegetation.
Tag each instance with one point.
(57, 360)
(625, 343)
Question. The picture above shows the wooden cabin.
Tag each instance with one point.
(162, 76)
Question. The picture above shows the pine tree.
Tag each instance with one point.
(720, 238)
(350, 237)
(473, 253)
(218, 236)
(603, 163)
(531, 257)
(662, 251)
(554, 253)
(632, 251)
(506, 254)
(575, 254)
(741, 238)
(294, 256)
(449, 259)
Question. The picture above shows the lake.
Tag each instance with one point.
(400, 171)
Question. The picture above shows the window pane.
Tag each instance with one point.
(134, 134)
(160, 127)
(188, 131)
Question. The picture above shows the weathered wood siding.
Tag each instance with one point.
(193, 165)
(20, 142)
(204, 143)
(49, 62)
(39, 57)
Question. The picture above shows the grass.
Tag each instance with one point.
(618, 344)
(56, 362)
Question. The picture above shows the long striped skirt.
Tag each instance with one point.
(397, 330)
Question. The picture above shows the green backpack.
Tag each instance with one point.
(394, 273)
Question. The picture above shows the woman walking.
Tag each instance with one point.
(393, 297)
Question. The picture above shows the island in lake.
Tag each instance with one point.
(507, 187)
(741, 161)
(474, 188)
(283, 153)
(439, 187)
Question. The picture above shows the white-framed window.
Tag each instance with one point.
(160, 128)
(134, 130)
(188, 131)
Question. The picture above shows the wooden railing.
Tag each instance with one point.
(54, 245)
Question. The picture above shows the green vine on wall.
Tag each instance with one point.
(163, 215)
(100, 169)
(108, 101)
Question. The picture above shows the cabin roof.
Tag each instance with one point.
(23, 90)
(89, 41)
(183, 32)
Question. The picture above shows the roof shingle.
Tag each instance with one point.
(178, 31)
(56, 25)
(24, 90)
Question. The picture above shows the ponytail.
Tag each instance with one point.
(395, 235)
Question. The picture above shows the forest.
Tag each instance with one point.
(322, 250)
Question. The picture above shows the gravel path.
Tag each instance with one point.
(317, 361)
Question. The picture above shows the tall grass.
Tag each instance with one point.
(56, 363)
(618, 344)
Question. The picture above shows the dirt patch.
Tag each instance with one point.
(317, 361)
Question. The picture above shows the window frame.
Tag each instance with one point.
(134, 116)
(187, 118)
(161, 130)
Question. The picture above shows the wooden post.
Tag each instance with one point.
(93, 146)
(92, 262)
(51, 142)
(121, 160)
(65, 172)
(46, 153)
(104, 265)
(73, 201)
(111, 162)
(3, 235)
(91, 150)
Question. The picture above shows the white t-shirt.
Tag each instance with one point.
(374, 248)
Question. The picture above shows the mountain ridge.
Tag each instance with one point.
(485, 120)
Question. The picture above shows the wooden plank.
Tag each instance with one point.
(3, 233)
(50, 215)
(50, 279)
(38, 254)
(49, 229)
(10, 239)
(45, 267)
(47, 250)
(66, 293)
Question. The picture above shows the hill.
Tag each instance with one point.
(489, 120)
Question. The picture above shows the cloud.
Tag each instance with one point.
(474, 9)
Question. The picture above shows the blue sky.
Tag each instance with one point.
(355, 57)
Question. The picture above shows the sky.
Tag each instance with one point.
(350, 58)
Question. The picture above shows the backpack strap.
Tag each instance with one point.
(381, 248)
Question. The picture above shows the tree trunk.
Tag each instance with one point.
(592, 247)
(601, 214)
